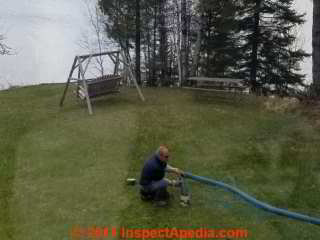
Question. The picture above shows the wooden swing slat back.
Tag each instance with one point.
(103, 85)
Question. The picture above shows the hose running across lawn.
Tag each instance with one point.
(253, 201)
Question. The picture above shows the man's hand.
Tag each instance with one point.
(178, 172)
(174, 170)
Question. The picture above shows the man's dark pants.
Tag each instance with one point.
(156, 190)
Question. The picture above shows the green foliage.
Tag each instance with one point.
(120, 20)
(278, 57)
(220, 47)
(251, 39)
(231, 29)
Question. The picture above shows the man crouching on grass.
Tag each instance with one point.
(152, 181)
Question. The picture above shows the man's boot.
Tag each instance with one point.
(146, 196)
(161, 197)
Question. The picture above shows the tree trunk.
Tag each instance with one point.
(188, 48)
(177, 40)
(183, 56)
(255, 42)
(138, 42)
(163, 44)
(316, 45)
(208, 50)
(154, 44)
(149, 58)
(196, 54)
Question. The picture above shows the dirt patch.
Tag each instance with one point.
(311, 109)
(277, 104)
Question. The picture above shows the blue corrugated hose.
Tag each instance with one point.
(253, 201)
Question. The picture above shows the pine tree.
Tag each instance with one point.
(123, 25)
(163, 50)
(120, 24)
(184, 41)
(269, 56)
(220, 49)
(316, 45)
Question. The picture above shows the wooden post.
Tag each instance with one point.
(116, 65)
(85, 87)
(68, 82)
(87, 65)
(127, 63)
(78, 82)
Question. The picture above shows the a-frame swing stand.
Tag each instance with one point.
(90, 88)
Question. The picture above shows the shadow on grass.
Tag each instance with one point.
(228, 99)
(16, 127)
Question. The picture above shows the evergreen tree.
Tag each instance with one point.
(220, 51)
(269, 55)
(123, 26)
(184, 41)
(120, 23)
(142, 22)
(163, 50)
(249, 39)
(316, 46)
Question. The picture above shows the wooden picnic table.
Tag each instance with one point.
(217, 80)
(217, 84)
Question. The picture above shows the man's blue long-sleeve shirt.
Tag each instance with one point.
(153, 170)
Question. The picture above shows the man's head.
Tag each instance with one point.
(163, 153)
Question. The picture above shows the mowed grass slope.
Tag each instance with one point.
(62, 168)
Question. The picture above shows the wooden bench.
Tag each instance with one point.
(217, 84)
(100, 86)
(106, 84)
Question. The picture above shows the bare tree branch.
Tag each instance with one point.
(4, 48)
(96, 42)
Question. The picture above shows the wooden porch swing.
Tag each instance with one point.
(100, 86)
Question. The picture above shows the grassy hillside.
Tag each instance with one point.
(61, 168)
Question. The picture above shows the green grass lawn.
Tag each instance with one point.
(61, 168)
